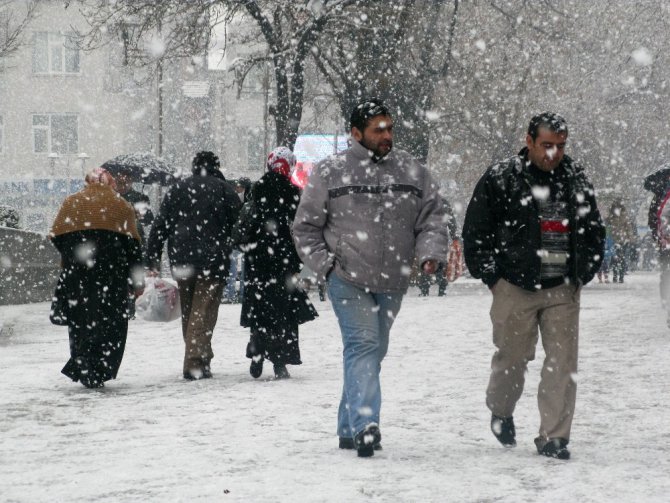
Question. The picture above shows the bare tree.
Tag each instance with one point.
(15, 16)
(400, 52)
(600, 63)
(172, 29)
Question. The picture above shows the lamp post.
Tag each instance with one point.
(81, 158)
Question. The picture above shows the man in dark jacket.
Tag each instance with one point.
(534, 235)
(197, 217)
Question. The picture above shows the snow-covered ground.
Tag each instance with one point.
(151, 436)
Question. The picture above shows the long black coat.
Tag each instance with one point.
(272, 302)
(196, 217)
(502, 235)
(95, 281)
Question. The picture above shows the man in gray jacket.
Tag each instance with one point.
(365, 214)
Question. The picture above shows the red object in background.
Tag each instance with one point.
(554, 226)
(301, 174)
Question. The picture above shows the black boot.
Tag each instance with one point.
(256, 367)
(553, 448)
(348, 443)
(503, 429)
(365, 440)
(280, 371)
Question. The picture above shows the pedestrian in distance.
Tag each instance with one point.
(441, 275)
(140, 201)
(95, 232)
(603, 272)
(274, 304)
(363, 217)
(142, 206)
(232, 295)
(624, 236)
(196, 218)
(534, 235)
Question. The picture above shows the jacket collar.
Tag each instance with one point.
(567, 165)
(363, 154)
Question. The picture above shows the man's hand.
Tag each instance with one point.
(429, 266)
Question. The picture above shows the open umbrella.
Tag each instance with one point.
(659, 180)
(143, 167)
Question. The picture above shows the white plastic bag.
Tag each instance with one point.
(159, 302)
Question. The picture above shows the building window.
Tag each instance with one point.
(55, 133)
(55, 53)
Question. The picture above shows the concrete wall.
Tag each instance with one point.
(29, 266)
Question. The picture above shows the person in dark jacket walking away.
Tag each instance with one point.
(441, 273)
(197, 217)
(96, 234)
(364, 216)
(534, 235)
(142, 206)
(140, 202)
(624, 236)
(273, 305)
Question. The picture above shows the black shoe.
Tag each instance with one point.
(503, 429)
(91, 383)
(256, 367)
(280, 371)
(348, 443)
(365, 440)
(553, 448)
(195, 374)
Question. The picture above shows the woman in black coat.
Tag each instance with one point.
(96, 234)
(273, 305)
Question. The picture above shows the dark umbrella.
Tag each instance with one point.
(141, 168)
(659, 180)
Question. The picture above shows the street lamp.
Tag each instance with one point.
(81, 158)
(52, 163)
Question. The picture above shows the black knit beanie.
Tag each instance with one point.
(206, 163)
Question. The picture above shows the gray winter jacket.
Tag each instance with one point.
(369, 220)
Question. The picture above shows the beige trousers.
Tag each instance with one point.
(200, 299)
(516, 315)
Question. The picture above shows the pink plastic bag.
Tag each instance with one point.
(159, 302)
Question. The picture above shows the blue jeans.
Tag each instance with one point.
(231, 290)
(365, 320)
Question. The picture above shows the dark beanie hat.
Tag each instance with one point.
(365, 110)
(206, 161)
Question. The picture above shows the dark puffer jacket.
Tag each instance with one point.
(502, 233)
(196, 217)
